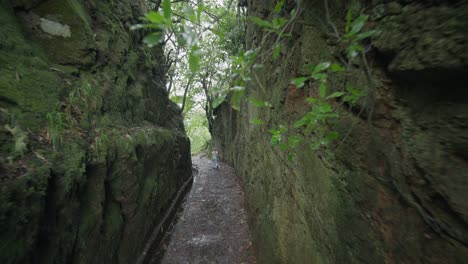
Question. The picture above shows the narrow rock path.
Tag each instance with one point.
(213, 226)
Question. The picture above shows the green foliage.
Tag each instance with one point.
(218, 101)
(196, 126)
(236, 98)
(324, 140)
(279, 6)
(322, 111)
(20, 141)
(299, 82)
(258, 103)
(83, 96)
(277, 135)
(335, 67)
(228, 36)
(353, 34)
(101, 143)
(335, 95)
(354, 95)
(257, 122)
(186, 36)
(241, 66)
(288, 143)
(194, 58)
(153, 39)
(275, 26)
(276, 51)
(55, 128)
(230, 31)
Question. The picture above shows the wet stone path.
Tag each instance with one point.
(212, 227)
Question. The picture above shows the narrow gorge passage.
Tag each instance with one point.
(213, 226)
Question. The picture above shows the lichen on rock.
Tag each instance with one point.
(55, 29)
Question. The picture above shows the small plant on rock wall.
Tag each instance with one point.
(55, 128)
(281, 139)
(354, 34)
(101, 143)
(322, 110)
(20, 142)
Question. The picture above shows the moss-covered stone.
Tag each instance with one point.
(77, 46)
(105, 150)
(390, 190)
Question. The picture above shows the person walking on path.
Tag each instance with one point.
(214, 155)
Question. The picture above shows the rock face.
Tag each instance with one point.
(393, 188)
(92, 151)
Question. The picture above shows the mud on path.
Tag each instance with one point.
(212, 227)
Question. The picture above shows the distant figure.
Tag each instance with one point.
(214, 154)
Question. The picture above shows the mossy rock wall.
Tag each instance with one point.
(92, 150)
(393, 187)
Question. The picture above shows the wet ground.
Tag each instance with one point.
(212, 226)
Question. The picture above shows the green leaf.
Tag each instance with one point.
(311, 100)
(322, 90)
(257, 122)
(335, 67)
(276, 136)
(217, 101)
(237, 88)
(139, 26)
(349, 16)
(325, 108)
(261, 22)
(331, 136)
(279, 22)
(276, 51)
(299, 82)
(354, 50)
(194, 59)
(279, 6)
(258, 103)
(335, 95)
(246, 77)
(176, 99)
(152, 39)
(154, 17)
(294, 141)
(236, 99)
(293, 13)
(166, 6)
(322, 66)
(283, 146)
(199, 11)
(274, 132)
(365, 35)
(354, 96)
(319, 76)
(302, 122)
(357, 25)
(315, 145)
(189, 13)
